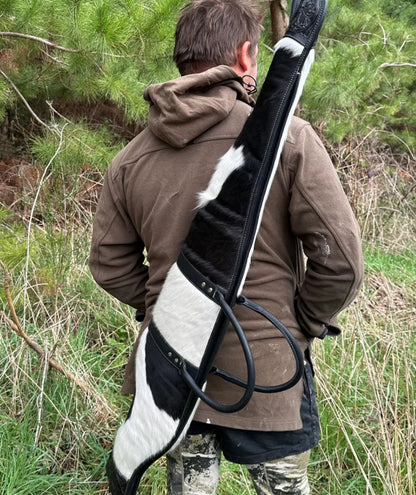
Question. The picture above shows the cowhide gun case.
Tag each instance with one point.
(195, 306)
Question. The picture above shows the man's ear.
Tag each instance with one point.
(243, 58)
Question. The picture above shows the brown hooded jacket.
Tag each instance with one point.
(148, 202)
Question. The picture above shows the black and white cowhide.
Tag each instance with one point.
(218, 249)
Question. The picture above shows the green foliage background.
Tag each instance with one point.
(364, 81)
(115, 49)
(88, 55)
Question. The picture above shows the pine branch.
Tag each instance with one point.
(38, 39)
(16, 89)
(54, 45)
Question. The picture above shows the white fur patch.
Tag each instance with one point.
(290, 45)
(230, 161)
(147, 431)
(184, 316)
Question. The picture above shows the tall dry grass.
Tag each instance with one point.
(366, 378)
(55, 437)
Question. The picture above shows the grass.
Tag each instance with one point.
(367, 401)
(398, 267)
(54, 438)
(366, 377)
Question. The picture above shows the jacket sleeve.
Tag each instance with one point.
(322, 218)
(116, 256)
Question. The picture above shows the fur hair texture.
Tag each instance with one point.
(231, 161)
(182, 314)
(219, 245)
(185, 317)
(142, 434)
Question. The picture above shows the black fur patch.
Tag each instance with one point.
(256, 135)
(168, 389)
(222, 230)
(215, 234)
(117, 484)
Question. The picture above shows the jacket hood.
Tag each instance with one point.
(183, 108)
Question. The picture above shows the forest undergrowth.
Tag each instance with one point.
(66, 108)
(57, 429)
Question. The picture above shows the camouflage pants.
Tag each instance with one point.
(193, 469)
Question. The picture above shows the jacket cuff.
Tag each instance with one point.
(139, 316)
(332, 330)
(314, 328)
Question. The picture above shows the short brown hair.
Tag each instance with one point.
(209, 31)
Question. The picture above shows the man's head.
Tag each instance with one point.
(218, 32)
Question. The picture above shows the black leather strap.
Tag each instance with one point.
(213, 292)
(168, 352)
(291, 340)
(251, 372)
(196, 278)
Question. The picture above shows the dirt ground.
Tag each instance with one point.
(17, 174)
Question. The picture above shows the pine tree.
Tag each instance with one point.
(83, 51)
(364, 81)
